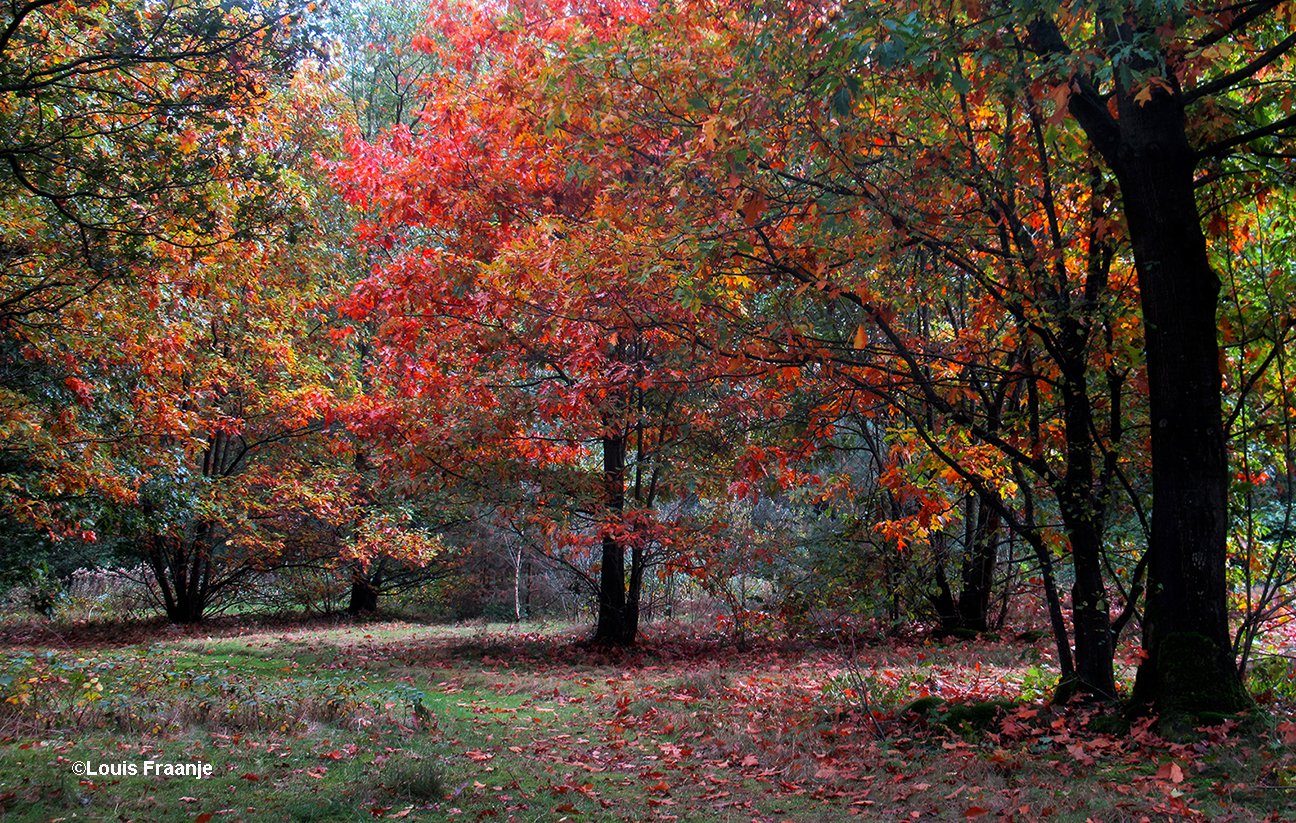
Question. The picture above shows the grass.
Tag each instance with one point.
(507, 723)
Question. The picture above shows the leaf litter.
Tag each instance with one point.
(684, 729)
(526, 726)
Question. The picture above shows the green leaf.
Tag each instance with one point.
(842, 101)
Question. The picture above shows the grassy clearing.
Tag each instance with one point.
(400, 721)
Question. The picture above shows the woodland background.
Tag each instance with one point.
(801, 317)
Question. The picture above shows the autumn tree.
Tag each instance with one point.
(1182, 95)
(974, 270)
(529, 340)
(103, 175)
(213, 397)
(172, 280)
(371, 81)
(1156, 93)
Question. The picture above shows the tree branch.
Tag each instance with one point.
(1219, 84)
(1223, 146)
(1238, 23)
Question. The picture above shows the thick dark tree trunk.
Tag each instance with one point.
(364, 597)
(979, 569)
(366, 586)
(1094, 650)
(947, 615)
(618, 616)
(1189, 667)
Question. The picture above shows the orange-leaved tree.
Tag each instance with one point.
(531, 347)
(1153, 104)
(114, 117)
(931, 246)
(163, 289)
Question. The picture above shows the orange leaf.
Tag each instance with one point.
(753, 208)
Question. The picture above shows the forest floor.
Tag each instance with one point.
(393, 720)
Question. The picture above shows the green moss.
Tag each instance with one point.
(1194, 685)
(959, 717)
(978, 716)
(1114, 724)
(923, 706)
(1197, 679)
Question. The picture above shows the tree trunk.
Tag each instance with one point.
(181, 567)
(617, 623)
(517, 584)
(1189, 667)
(970, 610)
(947, 615)
(630, 625)
(1082, 516)
(366, 588)
(1094, 649)
(979, 568)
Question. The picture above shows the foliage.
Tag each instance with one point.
(957, 187)
(174, 379)
(1258, 386)
(124, 155)
(570, 350)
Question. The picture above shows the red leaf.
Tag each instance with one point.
(81, 390)
(1170, 771)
